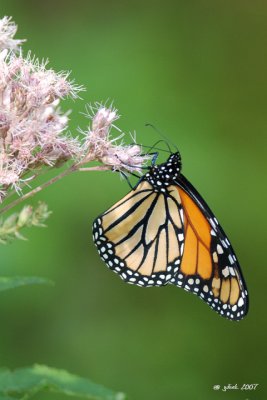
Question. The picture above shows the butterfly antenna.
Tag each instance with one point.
(166, 140)
(151, 147)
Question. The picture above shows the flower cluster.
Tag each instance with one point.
(34, 132)
(100, 146)
(8, 30)
(32, 126)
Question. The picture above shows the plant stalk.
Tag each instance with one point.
(68, 171)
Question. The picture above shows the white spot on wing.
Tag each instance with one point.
(231, 259)
(225, 272)
(205, 289)
(232, 271)
(219, 249)
(224, 244)
(240, 302)
(212, 223)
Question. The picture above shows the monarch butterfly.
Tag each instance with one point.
(163, 232)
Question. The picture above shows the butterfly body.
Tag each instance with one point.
(163, 175)
(163, 232)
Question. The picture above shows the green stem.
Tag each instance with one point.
(72, 168)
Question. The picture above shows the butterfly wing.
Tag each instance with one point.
(209, 267)
(164, 232)
(141, 237)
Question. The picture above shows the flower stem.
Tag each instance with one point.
(72, 168)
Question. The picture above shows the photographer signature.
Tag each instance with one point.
(245, 386)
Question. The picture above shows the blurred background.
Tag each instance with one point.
(197, 71)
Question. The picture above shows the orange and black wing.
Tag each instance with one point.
(164, 232)
(209, 267)
(142, 236)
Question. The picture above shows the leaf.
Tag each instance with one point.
(40, 377)
(10, 282)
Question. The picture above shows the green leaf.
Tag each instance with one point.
(10, 282)
(40, 377)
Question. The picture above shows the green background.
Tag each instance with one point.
(196, 70)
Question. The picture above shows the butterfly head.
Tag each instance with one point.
(165, 174)
(175, 160)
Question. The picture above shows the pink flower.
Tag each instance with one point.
(100, 146)
(8, 30)
(34, 130)
(32, 126)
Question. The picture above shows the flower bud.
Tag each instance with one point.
(24, 216)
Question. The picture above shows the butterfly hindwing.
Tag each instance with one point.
(141, 237)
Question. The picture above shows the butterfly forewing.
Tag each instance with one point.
(141, 237)
(209, 267)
